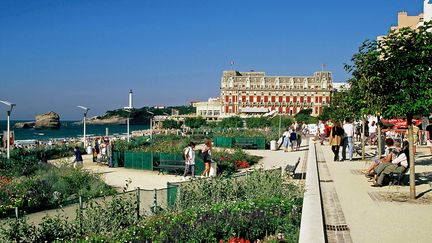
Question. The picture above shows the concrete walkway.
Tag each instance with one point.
(368, 215)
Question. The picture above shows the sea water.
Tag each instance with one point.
(68, 129)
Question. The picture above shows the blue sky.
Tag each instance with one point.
(55, 55)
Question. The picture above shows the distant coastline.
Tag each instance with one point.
(69, 129)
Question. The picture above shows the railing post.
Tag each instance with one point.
(138, 200)
(155, 201)
(80, 214)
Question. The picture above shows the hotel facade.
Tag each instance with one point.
(255, 93)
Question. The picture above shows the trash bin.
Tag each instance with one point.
(213, 169)
(273, 145)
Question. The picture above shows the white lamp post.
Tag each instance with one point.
(84, 122)
(151, 124)
(129, 109)
(11, 106)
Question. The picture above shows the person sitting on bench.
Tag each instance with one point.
(397, 165)
(386, 157)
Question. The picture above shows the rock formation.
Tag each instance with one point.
(50, 120)
(24, 125)
(115, 120)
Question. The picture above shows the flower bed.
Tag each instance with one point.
(48, 188)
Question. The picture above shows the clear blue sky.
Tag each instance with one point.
(55, 55)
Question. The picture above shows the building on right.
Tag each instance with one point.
(414, 21)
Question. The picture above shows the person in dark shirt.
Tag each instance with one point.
(78, 157)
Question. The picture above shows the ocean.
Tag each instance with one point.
(68, 129)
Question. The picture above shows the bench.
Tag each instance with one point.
(246, 143)
(170, 165)
(290, 169)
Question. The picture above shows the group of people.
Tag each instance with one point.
(342, 135)
(292, 137)
(102, 149)
(189, 157)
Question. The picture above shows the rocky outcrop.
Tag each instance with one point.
(24, 125)
(115, 120)
(50, 120)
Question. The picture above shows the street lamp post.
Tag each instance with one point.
(11, 106)
(151, 123)
(129, 109)
(84, 122)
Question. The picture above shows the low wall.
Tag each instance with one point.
(312, 223)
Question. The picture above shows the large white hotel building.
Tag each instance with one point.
(254, 93)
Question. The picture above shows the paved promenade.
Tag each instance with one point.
(368, 212)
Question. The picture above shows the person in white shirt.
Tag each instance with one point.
(321, 128)
(189, 155)
(348, 139)
(372, 133)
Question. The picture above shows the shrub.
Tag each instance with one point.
(258, 184)
(251, 219)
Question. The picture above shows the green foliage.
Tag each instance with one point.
(258, 122)
(231, 122)
(195, 122)
(141, 115)
(268, 134)
(51, 187)
(286, 121)
(250, 219)
(228, 162)
(169, 123)
(258, 184)
(106, 216)
(305, 116)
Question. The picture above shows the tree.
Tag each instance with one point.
(169, 123)
(258, 122)
(395, 76)
(305, 116)
(195, 122)
(286, 121)
(231, 122)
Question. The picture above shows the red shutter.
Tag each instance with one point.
(243, 98)
(327, 99)
(301, 99)
(295, 110)
(316, 99)
(226, 108)
(295, 99)
(265, 98)
(320, 99)
(308, 99)
(226, 98)
(258, 98)
(273, 99)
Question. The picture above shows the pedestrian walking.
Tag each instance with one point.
(348, 139)
(189, 156)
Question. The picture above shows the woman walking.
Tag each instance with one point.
(336, 134)
(207, 158)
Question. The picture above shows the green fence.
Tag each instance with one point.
(242, 142)
(138, 160)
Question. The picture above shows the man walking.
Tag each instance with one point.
(348, 139)
(189, 155)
